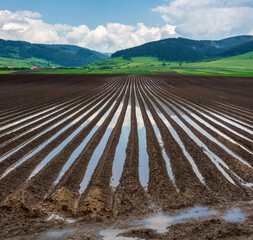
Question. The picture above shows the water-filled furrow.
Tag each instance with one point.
(120, 154)
(50, 140)
(37, 118)
(209, 126)
(100, 148)
(229, 121)
(201, 144)
(65, 93)
(237, 108)
(77, 152)
(213, 128)
(42, 124)
(222, 125)
(214, 158)
(214, 120)
(142, 138)
(36, 113)
(176, 137)
(26, 111)
(51, 128)
(233, 112)
(229, 116)
(158, 135)
(27, 118)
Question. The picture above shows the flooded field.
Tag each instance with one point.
(151, 150)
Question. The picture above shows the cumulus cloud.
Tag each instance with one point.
(208, 19)
(29, 26)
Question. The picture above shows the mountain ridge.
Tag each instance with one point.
(61, 55)
(183, 49)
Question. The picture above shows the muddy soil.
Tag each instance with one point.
(210, 169)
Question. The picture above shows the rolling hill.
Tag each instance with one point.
(28, 54)
(182, 49)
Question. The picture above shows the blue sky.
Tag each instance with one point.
(111, 25)
(90, 12)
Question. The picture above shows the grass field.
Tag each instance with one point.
(29, 62)
(94, 71)
(6, 72)
(244, 61)
(241, 65)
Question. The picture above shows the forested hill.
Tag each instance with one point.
(63, 55)
(182, 49)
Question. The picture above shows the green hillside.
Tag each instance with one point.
(182, 49)
(243, 61)
(241, 65)
(26, 63)
(46, 55)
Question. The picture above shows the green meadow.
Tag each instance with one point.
(241, 65)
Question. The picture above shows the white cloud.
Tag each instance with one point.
(208, 19)
(29, 26)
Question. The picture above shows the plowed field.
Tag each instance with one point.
(98, 147)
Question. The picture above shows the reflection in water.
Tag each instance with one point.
(81, 147)
(160, 222)
(120, 154)
(143, 155)
(56, 235)
(177, 139)
(235, 215)
(158, 135)
(217, 161)
(100, 148)
(57, 150)
(111, 234)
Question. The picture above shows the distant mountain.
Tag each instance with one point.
(182, 49)
(238, 50)
(63, 55)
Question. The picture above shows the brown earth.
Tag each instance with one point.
(24, 205)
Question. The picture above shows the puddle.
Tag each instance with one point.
(235, 215)
(101, 146)
(160, 221)
(111, 234)
(120, 154)
(56, 235)
(142, 137)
